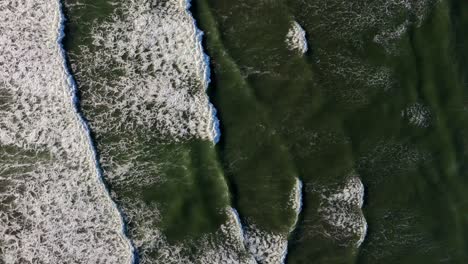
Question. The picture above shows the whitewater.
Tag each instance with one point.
(158, 97)
(54, 207)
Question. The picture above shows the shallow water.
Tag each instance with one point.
(341, 137)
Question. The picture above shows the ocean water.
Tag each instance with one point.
(53, 205)
(233, 131)
(143, 77)
(367, 99)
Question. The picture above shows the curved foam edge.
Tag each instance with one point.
(296, 38)
(341, 208)
(297, 205)
(363, 233)
(75, 102)
(237, 219)
(297, 201)
(215, 131)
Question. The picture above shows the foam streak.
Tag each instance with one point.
(76, 104)
(215, 131)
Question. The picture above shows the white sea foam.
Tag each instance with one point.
(163, 77)
(155, 92)
(417, 114)
(53, 208)
(296, 38)
(235, 215)
(214, 129)
(296, 201)
(272, 247)
(296, 204)
(354, 79)
(341, 209)
(74, 98)
(224, 246)
(386, 38)
(390, 17)
(266, 247)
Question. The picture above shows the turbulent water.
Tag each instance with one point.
(54, 207)
(221, 131)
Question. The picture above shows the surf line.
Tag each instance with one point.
(363, 234)
(298, 203)
(215, 131)
(79, 114)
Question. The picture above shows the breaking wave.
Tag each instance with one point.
(144, 80)
(54, 208)
(76, 104)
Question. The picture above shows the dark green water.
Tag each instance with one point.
(326, 114)
(350, 105)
